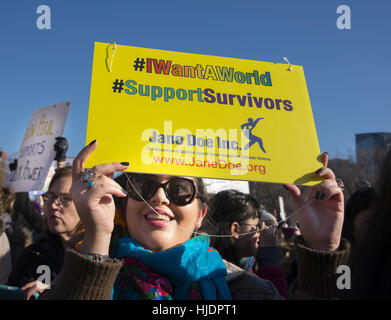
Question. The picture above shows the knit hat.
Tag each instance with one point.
(266, 216)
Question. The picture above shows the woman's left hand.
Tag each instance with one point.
(321, 218)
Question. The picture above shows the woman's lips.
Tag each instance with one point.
(54, 218)
(158, 217)
(158, 223)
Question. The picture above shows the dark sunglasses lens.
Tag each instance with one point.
(180, 191)
(144, 185)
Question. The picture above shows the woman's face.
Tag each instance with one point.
(247, 245)
(171, 227)
(62, 218)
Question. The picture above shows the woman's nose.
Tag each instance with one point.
(160, 197)
(55, 204)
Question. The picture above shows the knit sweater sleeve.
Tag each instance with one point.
(82, 278)
(317, 271)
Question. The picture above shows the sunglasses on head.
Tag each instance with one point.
(179, 191)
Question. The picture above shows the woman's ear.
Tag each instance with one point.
(202, 216)
(234, 229)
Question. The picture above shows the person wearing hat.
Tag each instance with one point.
(268, 254)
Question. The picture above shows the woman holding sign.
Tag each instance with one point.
(159, 258)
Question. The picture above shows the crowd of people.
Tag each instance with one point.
(105, 235)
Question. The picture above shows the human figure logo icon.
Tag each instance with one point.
(247, 129)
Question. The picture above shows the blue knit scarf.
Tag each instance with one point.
(192, 262)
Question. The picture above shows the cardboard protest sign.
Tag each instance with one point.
(36, 152)
(197, 115)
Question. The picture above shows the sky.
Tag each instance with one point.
(347, 71)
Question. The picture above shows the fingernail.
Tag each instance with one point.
(319, 171)
(125, 192)
(92, 142)
(322, 196)
(316, 196)
(125, 163)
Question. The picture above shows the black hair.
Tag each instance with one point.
(371, 259)
(224, 208)
(359, 201)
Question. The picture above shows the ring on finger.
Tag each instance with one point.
(88, 175)
(340, 183)
(91, 184)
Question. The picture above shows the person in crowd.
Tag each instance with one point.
(6, 199)
(63, 229)
(357, 212)
(269, 255)
(232, 212)
(267, 218)
(25, 212)
(5, 256)
(26, 221)
(237, 214)
(17, 229)
(160, 258)
(268, 237)
(370, 261)
(287, 236)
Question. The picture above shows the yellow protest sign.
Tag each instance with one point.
(197, 115)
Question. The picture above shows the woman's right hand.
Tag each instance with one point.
(95, 206)
(321, 211)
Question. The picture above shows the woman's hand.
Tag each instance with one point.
(33, 287)
(321, 220)
(95, 206)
